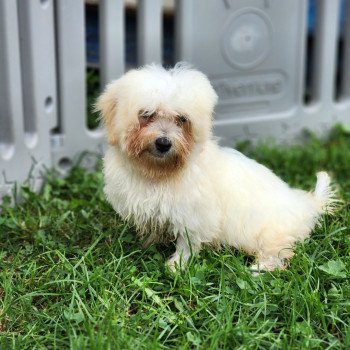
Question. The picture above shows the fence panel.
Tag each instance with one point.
(325, 51)
(28, 102)
(111, 25)
(252, 50)
(73, 136)
(253, 54)
(149, 32)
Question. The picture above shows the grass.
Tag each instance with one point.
(92, 91)
(73, 275)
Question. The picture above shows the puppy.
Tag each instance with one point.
(165, 173)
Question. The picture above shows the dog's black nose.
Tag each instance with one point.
(163, 144)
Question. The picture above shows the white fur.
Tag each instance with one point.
(220, 196)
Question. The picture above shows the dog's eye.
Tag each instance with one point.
(182, 119)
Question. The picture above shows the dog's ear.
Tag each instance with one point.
(106, 105)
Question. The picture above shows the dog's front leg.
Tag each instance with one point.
(184, 249)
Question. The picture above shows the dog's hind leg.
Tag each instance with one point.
(184, 249)
(273, 252)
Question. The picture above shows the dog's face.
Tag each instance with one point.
(157, 117)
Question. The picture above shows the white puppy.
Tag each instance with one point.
(164, 172)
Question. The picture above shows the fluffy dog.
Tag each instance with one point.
(165, 173)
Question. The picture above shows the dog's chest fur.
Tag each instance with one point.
(154, 210)
(159, 210)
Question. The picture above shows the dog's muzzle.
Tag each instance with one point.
(163, 144)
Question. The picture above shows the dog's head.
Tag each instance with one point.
(157, 117)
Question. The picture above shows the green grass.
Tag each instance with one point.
(92, 91)
(73, 275)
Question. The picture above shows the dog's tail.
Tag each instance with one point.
(325, 194)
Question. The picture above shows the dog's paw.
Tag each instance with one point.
(172, 266)
(255, 270)
(176, 262)
(270, 263)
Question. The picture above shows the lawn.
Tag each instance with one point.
(73, 275)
